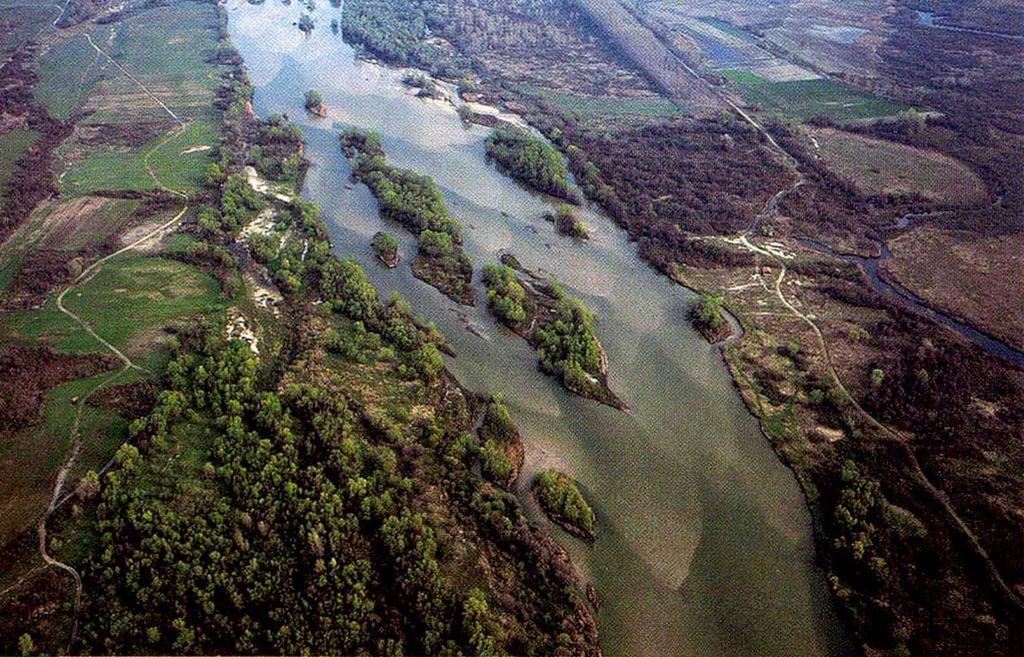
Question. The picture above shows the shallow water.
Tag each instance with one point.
(704, 542)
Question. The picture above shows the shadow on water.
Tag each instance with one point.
(702, 529)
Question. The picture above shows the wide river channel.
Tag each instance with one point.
(704, 543)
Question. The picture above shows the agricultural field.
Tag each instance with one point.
(879, 167)
(800, 100)
(979, 278)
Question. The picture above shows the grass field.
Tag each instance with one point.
(589, 107)
(801, 100)
(13, 145)
(131, 299)
(68, 72)
(121, 168)
(167, 50)
(878, 166)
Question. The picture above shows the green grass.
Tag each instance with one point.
(109, 168)
(13, 145)
(742, 77)
(804, 99)
(126, 303)
(597, 107)
(68, 72)
(140, 294)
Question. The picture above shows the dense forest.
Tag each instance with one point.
(532, 161)
(414, 201)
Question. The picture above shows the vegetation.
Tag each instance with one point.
(306, 23)
(568, 347)
(505, 295)
(564, 503)
(501, 451)
(314, 102)
(532, 161)
(414, 201)
(397, 32)
(706, 315)
(567, 222)
(806, 99)
(386, 248)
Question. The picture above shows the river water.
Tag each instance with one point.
(704, 542)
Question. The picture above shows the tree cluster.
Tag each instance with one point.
(563, 502)
(532, 161)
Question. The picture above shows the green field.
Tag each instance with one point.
(13, 145)
(68, 72)
(113, 168)
(801, 100)
(167, 50)
(590, 107)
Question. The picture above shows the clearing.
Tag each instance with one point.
(880, 167)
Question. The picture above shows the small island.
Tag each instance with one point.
(568, 223)
(558, 327)
(415, 202)
(315, 104)
(501, 446)
(306, 23)
(564, 504)
(706, 316)
(427, 87)
(531, 161)
(386, 248)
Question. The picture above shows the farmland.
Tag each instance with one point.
(800, 100)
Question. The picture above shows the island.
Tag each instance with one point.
(564, 504)
(557, 326)
(386, 248)
(315, 103)
(501, 448)
(415, 202)
(531, 161)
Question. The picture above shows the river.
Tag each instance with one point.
(704, 542)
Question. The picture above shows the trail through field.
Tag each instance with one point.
(88, 274)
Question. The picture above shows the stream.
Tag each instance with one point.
(704, 539)
(907, 299)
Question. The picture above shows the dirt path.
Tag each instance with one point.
(55, 499)
(1012, 600)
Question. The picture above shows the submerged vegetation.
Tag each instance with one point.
(561, 500)
(414, 201)
(532, 161)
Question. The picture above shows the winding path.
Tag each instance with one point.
(88, 274)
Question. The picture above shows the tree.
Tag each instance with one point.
(26, 646)
(306, 23)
